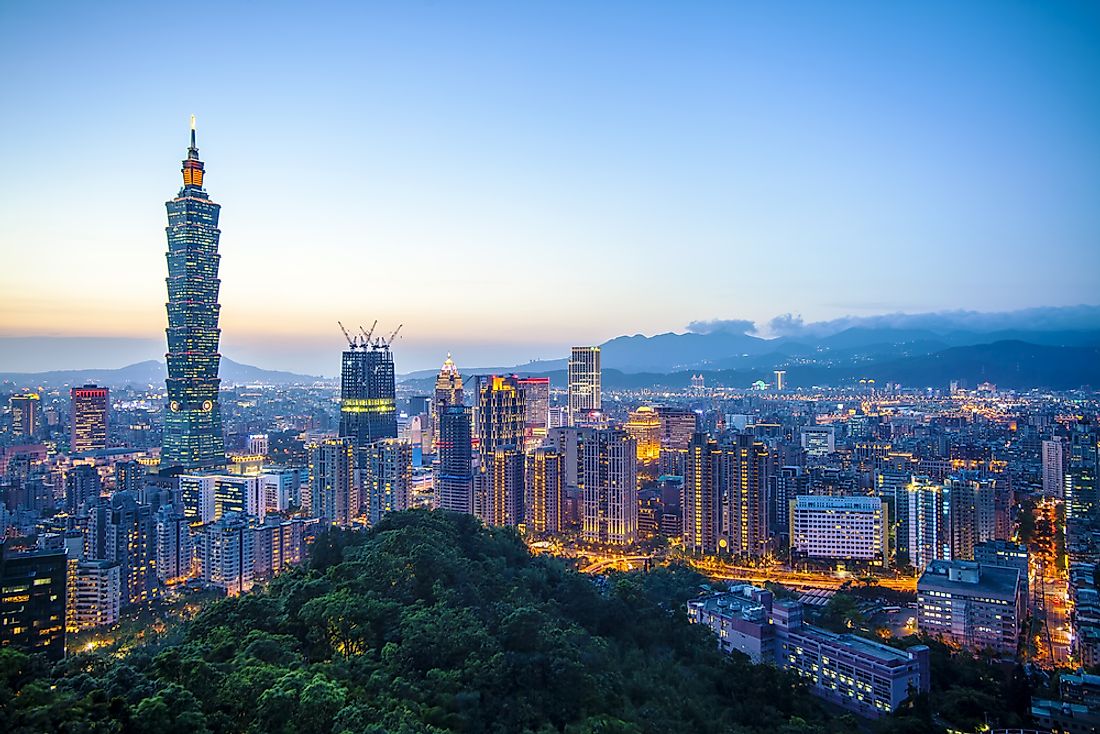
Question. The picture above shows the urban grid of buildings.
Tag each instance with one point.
(116, 497)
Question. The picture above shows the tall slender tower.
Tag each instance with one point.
(584, 382)
(193, 419)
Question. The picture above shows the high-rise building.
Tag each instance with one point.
(545, 491)
(333, 491)
(129, 540)
(744, 468)
(224, 554)
(386, 477)
(584, 389)
(454, 481)
(921, 520)
(130, 475)
(96, 590)
(840, 528)
(536, 400)
(1054, 467)
(502, 413)
(193, 436)
(1082, 477)
(25, 409)
(779, 380)
(784, 485)
(819, 441)
(503, 487)
(610, 495)
(90, 408)
(173, 534)
(258, 444)
(645, 426)
(677, 428)
(448, 392)
(970, 507)
(701, 496)
(33, 589)
(82, 485)
(368, 407)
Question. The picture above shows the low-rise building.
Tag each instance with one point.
(970, 604)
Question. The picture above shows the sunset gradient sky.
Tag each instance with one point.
(510, 178)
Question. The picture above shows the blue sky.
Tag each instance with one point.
(510, 178)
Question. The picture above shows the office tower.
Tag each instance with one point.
(224, 554)
(386, 477)
(676, 429)
(258, 444)
(1054, 468)
(368, 407)
(779, 380)
(503, 487)
(644, 426)
(193, 421)
(1082, 487)
(818, 441)
(33, 589)
(701, 496)
(454, 480)
(536, 400)
(25, 409)
(784, 485)
(610, 496)
(448, 392)
(333, 491)
(978, 607)
(584, 382)
(90, 407)
(82, 485)
(545, 491)
(502, 413)
(130, 476)
(744, 466)
(173, 542)
(558, 416)
(840, 528)
(96, 591)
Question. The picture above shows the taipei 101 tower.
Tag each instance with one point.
(193, 420)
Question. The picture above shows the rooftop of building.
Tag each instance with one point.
(736, 602)
(971, 578)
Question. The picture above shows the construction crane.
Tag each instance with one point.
(367, 334)
(351, 340)
(385, 343)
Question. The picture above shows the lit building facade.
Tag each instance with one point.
(193, 436)
(584, 388)
(610, 495)
(96, 590)
(448, 392)
(25, 408)
(645, 426)
(333, 491)
(453, 484)
(90, 416)
(536, 400)
(386, 477)
(840, 528)
(224, 554)
(744, 468)
(33, 589)
(545, 491)
(972, 605)
(701, 496)
(368, 407)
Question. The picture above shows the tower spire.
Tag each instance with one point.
(192, 167)
(193, 146)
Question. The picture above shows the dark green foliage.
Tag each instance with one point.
(427, 623)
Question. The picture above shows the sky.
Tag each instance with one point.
(507, 179)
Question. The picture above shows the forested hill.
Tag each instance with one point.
(427, 623)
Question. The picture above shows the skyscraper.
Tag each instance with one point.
(33, 588)
(448, 391)
(645, 426)
(24, 414)
(454, 481)
(502, 413)
(193, 420)
(90, 405)
(1054, 467)
(745, 466)
(368, 408)
(701, 496)
(536, 399)
(584, 382)
(610, 505)
(504, 487)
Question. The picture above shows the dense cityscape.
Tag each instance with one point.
(843, 530)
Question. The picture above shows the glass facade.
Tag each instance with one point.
(193, 423)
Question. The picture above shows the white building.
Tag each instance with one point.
(224, 552)
(840, 528)
(819, 441)
(585, 392)
(97, 588)
(1054, 468)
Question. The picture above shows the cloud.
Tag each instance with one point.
(722, 326)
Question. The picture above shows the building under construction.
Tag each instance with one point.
(368, 411)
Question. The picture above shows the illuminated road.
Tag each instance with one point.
(1050, 589)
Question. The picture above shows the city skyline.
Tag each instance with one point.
(965, 149)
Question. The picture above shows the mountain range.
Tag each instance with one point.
(151, 372)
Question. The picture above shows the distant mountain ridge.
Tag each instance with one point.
(153, 372)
